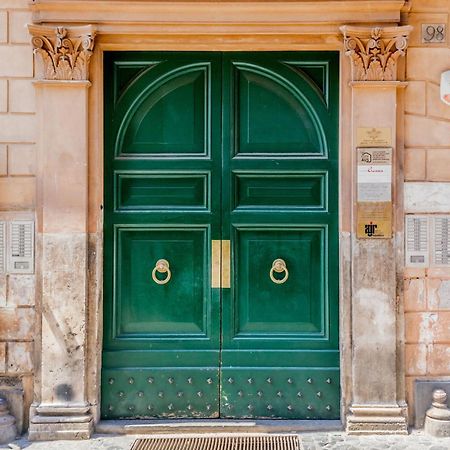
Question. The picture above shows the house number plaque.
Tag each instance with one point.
(374, 192)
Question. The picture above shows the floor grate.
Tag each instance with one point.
(262, 442)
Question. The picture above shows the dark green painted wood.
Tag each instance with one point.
(144, 191)
(162, 166)
(279, 392)
(239, 146)
(280, 116)
(280, 191)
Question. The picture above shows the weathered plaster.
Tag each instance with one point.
(61, 409)
(63, 318)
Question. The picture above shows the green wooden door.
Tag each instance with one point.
(208, 147)
(280, 353)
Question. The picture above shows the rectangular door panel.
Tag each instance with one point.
(152, 303)
(289, 301)
(303, 190)
(143, 191)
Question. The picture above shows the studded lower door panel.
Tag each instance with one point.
(280, 393)
(164, 393)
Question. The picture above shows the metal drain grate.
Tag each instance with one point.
(266, 442)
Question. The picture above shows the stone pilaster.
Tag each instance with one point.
(61, 410)
(377, 405)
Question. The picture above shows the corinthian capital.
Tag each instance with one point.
(374, 51)
(62, 53)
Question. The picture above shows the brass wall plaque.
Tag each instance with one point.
(373, 137)
(374, 220)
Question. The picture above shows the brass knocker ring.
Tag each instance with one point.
(162, 266)
(279, 266)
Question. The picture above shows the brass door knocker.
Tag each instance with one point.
(279, 266)
(162, 266)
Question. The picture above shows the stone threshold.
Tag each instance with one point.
(172, 426)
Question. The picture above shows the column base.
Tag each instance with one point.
(61, 422)
(377, 419)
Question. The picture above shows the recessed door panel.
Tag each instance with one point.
(153, 303)
(273, 115)
(170, 115)
(162, 191)
(306, 190)
(270, 303)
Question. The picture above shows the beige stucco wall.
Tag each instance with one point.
(17, 188)
(427, 159)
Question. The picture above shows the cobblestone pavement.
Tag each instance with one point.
(310, 441)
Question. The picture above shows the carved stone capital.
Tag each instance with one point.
(374, 51)
(62, 53)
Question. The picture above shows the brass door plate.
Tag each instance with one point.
(215, 263)
(226, 263)
(220, 264)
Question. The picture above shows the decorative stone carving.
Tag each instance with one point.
(64, 52)
(374, 52)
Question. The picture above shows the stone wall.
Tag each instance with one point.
(427, 160)
(17, 197)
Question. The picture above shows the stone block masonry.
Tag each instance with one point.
(427, 159)
(17, 194)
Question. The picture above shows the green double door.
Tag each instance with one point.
(221, 235)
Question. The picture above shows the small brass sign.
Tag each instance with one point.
(373, 137)
(374, 220)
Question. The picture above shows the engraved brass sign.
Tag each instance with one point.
(374, 220)
(374, 193)
(373, 137)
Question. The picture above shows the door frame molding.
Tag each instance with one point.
(96, 152)
(191, 30)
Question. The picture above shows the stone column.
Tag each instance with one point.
(61, 410)
(377, 406)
